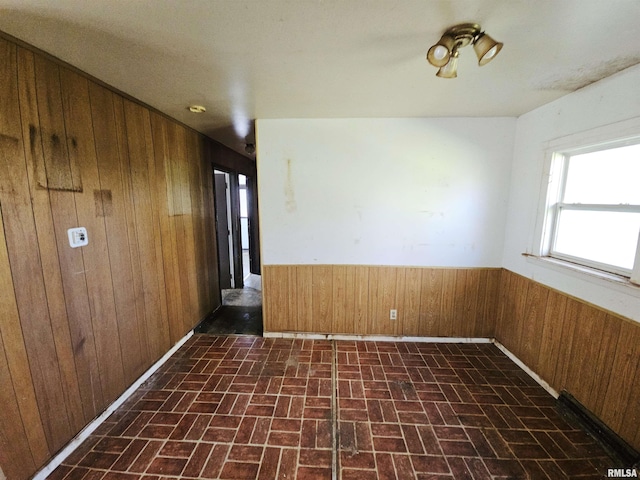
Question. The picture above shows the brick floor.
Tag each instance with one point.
(254, 408)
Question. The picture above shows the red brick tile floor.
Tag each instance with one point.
(255, 408)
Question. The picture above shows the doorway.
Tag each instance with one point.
(238, 253)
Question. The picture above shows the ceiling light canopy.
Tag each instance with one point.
(197, 109)
(444, 54)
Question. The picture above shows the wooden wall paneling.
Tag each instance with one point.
(162, 336)
(140, 155)
(23, 444)
(631, 427)
(26, 268)
(431, 297)
(470, 296)
(563, 367)
(459, 320)
(303, 290)
(398, 301)
(409, 321)
(361, 298)
(382, 298)
(46, 236)
(625, 369)
(194, 160)
(62, 181)
(343, 302)
(551, 336)
(275, 285)
(93, 205)
(493, 303)
(481, 277)
(531, 325)
(289, 291)
(170, 239)
(268, 323)
(114, 198)
(604, 361)
(322, 298)
(588, 333)
(16, 459)
(184, 219)
(446, 322)
(520, 292)
(139, 322)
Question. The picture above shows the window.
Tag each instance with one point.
(594, 208)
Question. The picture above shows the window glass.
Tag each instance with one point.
(607, 177)
(604, 237)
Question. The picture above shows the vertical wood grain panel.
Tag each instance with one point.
(361, 303)
(322, 298)
(582, 380)
(430, 302)
(112, 180)
(534, 311)
(344, 300)
(551, 335)
(305, 308)
(411, 301)
(182, 215)
(61, 186)
(604, 362)
(144, 354)
(15, 453)
(22, 440)
(447, 320)
(92, 208)
(170, 238)
(382, 298)
(140, 155)
(620, 395)
(46, 234)
(26, 268)
(563, 367)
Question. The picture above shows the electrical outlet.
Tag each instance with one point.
(393, 314)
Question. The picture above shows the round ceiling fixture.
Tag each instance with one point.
(197, 109)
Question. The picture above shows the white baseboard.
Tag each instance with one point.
(374, 338)
(530, 372)
(75, 442)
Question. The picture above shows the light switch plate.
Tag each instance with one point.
(78, 237)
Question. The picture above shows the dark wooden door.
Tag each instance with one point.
(223, 230)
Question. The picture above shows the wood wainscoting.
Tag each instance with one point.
(79, 325)
(353, 299)
(574, 346)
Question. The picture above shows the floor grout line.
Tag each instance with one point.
(334, 411)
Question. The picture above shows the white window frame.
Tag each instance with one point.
(556, 165)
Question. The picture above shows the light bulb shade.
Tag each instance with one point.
(439, 54)
(450, 70)
(486, 48)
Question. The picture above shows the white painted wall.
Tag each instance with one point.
(421, 192)
(611, 100)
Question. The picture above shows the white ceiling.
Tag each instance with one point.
(248, 59)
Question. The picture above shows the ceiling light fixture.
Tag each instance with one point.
(250, 148)
(444, 54)
(197, 109)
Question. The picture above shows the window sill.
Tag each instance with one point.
(598, 277)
